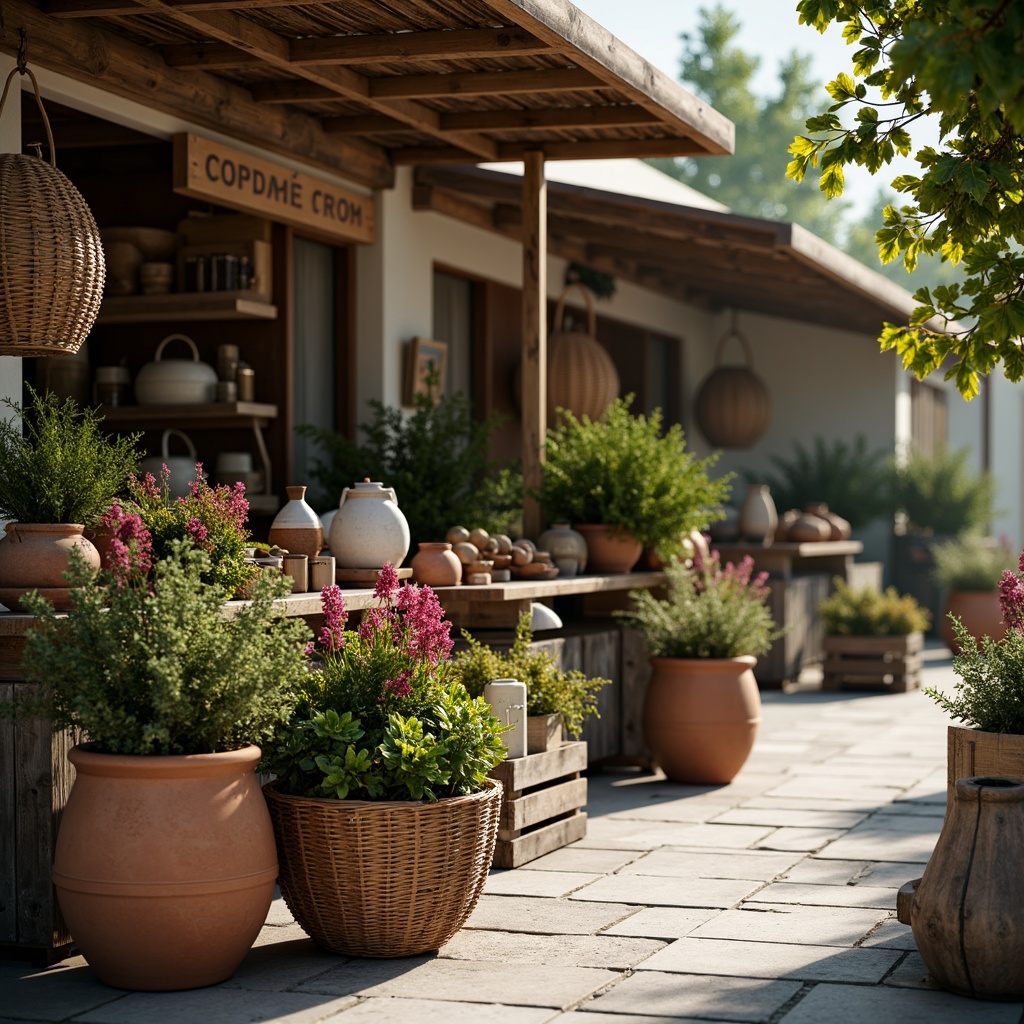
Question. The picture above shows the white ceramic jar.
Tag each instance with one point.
(369, 528)
(176, 381)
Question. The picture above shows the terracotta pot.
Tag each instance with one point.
(436, 565)
(701, 716)
(34, 556)
(568, 549)
(165, 866)
(977, 610)
(967, 912)
(609, 550)
(297, 528)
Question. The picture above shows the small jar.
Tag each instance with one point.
(195, 273)
(223, 273)
(246, 379)
(112, 385)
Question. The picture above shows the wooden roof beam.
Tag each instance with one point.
(484, 83)
(598, 150)
(130, 8)
(275, 51)
(291, 90)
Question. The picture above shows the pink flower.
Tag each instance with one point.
(332, 634)
(387, 582)
(400, 685)
(196, 529)
(1011, 599)
(427, 634)
(131, 544)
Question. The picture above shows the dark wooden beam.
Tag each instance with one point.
(87, 53)
(129, 8)
(209, 57)
(363, 124)
(291, 90)
(437, 200)
(483, 83)
(508, 151)
(622, 115)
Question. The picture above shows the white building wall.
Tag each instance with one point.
(1007, 440)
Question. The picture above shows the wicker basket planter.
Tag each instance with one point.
(383, 878)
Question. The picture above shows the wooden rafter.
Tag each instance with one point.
(483, 83)
(275, 50)
(597, 150)
(130, 8)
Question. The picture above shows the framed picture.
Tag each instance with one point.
(425, 361)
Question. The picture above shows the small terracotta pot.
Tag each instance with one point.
(436, 565)
(977, 610)
(35, 556)
(701, 716)
(165, 866)
(609, 550)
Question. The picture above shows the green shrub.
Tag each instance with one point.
(549, 690)
(971, 563)
(871, 612)
(56, 463)
(939, 494)
(622, 470)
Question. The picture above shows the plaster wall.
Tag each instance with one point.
(1007, 435)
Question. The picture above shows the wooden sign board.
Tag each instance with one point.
(219, 174)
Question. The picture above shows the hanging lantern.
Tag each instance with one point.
(733, 406)
(581, 375)
(51, 257)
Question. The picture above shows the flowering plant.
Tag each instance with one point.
(990, 691)
(709, 612)
(146, 661)
(380, 714)
(213, 518)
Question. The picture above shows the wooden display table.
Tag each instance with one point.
(784, 559)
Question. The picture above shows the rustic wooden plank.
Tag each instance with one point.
(972, 753)
(872, 667)
(290, 90)
(874, 645)
(483, 83)
(86, 53)
(8, 824)
(619, 116)
(543, 732)
(543, 804)
(450, 204)
(511, 853)
(535, 336)
(634, 676)
(523, 773)
(603, 732)
(129, 8)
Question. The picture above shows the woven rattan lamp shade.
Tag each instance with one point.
(51, 257)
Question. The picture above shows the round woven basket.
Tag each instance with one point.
(51, 257)
(383, 878)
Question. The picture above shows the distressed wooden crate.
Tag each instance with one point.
(541, 805)
(894, 661)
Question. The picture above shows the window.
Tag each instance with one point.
(453, 324)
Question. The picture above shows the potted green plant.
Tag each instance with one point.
(384, 816)
(555, 699)
(58, 473)
(624, 481)
(702, 707)
(872, 636)
(970, 567)
(165, 863)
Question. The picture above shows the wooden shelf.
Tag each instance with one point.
(211, 415)
(134, 309)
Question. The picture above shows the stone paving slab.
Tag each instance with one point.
(807, 803)
(839, 787)
(51, 993)
(867, 896)
(536, 883)
(389, 1010)
(850, 1004)
(667, 995)
(912, 973)
(585, 1017)
(662, 922)
(625, 834)
(912, 808)
(752, 864)
(890, 934)
(655, 891)
(469, 982)
(773, 960)
(222, 1005)
(693, 811)
(615, 952)
(545, 916)
(581, 859)
(818, 926)
(278, 966)
(807, 840)
(778, 816)
(872, 841)
(880, 874)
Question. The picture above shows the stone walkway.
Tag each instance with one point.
(771, 899)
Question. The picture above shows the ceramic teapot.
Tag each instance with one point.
(182, 468)
(176, 381)
(369, 528)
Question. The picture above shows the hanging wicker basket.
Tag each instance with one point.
(733, 406)
(51, 257)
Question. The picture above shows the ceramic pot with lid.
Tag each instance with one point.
(369, 528)
(176, 381)
(181, 468)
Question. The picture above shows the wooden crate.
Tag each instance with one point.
(894, 661)
(974, 752)
(541, 805)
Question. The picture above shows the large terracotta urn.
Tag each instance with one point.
(701, 717)
(967, 911)
(977, 610)
(165, 866)
(369, 528)
(34, 556)
(609, 550)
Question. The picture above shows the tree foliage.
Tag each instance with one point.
(958, 59)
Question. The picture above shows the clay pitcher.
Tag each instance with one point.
(967, 912)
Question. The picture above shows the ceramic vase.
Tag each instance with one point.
(568, 549)
(369, 528)
(758, 517)
(967, 912)
(436, 565)
(297, 528)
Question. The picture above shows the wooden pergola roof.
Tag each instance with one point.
(362, 85)
(706, 258)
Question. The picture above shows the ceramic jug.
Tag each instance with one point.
(758, 517)
(297, 528)
(369, 528)
(567, 547)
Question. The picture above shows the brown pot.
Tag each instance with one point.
(436, 565)
(34, 556)
(165, 866)
(977, 610)
(967, 912)
(701, 716)
(609, 550)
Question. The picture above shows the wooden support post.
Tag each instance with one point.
(535, 342)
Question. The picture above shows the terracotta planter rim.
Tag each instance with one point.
(48, 527)
(712, 663)
(158, 766)
(382, 806)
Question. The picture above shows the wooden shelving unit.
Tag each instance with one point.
(179, 306)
